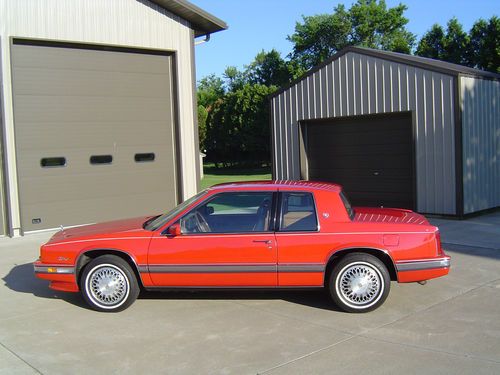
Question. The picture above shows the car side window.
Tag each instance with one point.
(230, 213)
(298, 212)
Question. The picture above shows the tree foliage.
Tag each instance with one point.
(368, 23)
(480, 48)
(238, 131)
(485, 44)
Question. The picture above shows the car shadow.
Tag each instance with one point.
(318, 299)
(21, 278)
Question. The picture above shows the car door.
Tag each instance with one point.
(300, 243)
(224, 241)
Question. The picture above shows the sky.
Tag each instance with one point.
(256, 25)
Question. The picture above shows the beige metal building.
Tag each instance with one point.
(395, 130)
(97, 109)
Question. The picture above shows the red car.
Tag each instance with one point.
(272, 234)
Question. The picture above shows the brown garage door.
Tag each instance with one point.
(371, 156)
(94, 134)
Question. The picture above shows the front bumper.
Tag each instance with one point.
(62, 277)
(422, 269)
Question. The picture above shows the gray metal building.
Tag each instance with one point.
(395, 130)
(98, 109)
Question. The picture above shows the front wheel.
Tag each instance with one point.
(359, 283)
(108, 284)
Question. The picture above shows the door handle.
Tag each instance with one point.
(267, 242)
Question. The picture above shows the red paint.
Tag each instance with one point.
(400, 234)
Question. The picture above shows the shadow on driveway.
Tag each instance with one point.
(22, 279)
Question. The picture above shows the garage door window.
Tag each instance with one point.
(53, 162)
(145, 157)
(101, 159)
(298, 213)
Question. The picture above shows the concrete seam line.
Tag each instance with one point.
(296, 319)
(306, 355)
(20, 358)
(432, 350)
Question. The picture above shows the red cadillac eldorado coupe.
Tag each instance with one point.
(271, 234)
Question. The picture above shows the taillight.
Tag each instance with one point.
(438, 244)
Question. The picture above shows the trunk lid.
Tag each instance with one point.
(388, 215)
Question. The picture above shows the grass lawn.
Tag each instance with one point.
(215, 176)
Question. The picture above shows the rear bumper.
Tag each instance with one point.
(61, 277)
(422, 269)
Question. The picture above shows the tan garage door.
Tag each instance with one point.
(95, 134)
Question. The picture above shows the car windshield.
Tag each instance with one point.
(161, 220)
(347, 204)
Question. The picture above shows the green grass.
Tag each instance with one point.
(215, 176)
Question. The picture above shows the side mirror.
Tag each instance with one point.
(174, 230)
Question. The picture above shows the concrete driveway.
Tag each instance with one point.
(451, 325)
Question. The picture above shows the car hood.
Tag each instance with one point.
(131, 226)
(388, 215)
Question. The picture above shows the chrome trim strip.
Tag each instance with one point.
(423, 265)
(142, 269)
(212, 268)
(301, 267)
(61, 269)
(234, 268)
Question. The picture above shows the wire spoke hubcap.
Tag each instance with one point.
(108, 285)
(359, 284)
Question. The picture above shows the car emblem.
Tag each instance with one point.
(326, 215)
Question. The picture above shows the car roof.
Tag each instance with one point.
(279, 184)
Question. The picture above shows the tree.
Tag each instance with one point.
(485, 44)
(368, 23)
(456, 44)
(268, 68)
(432, 43)
(452, 46)
(209, 90)
(238, 129)
(202, 126)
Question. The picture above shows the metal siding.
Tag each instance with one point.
(128, 23)
(360, 84)
(480, 100)
(2, 165)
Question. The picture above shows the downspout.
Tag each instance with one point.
(206, 39)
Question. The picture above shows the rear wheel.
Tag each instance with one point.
(108, 284)
(359, 283)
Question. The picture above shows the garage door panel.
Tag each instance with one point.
(98, 134)
(397, 200)
(86, 59)
(87, 109)
(397, 174)
(378, 149)
(362, 161)
(76, 104)
(78, 160)
(369, 184)
(371, 156)
(73, 82)
(104, 208)
(391, 139)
